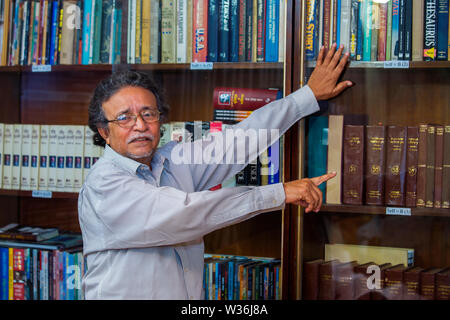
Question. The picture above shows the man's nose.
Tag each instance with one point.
(140, 125)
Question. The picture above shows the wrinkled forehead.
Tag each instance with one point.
(129, 100)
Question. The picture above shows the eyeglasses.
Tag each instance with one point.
(128, 120)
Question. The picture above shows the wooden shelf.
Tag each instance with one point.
(150, 67)
(55, 195)
(381, 210)
(381, 64)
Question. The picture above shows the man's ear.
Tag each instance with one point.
(104, 132)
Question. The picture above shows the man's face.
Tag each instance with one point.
(141, 140)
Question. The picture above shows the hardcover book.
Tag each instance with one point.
(394, 282)
(43, 157)
(362, 291)
(26, 155)
(430, 166)
(311, 279)
(412, 152)
(375, 165)
(395, 166)
(345, 281)
(428, 283)
(446, 170)
(422, 166)
(443, 285)
(327, 280)
(379, 293)
(34, 157)
(353, 164)
(334, 158)
(411, 283)
(16, 156)
(438, 166)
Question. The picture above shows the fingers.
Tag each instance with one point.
(330, 54)
(341, 87)
(320, 56)
(336, 56)
(321, 179)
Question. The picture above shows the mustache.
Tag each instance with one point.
(140, 136)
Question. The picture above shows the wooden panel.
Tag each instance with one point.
(259, 236)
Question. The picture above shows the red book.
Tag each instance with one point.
(200, 31)
(439, 151)
(412, 152)
(422, 165)
(443, 285)
(394, 282)
(382, 32)
(241, 48)
(428, 283)
(353, 165)
(19, 274)
(326, 23)
(395, 166)
(243, 98)
(361, 290)
(411, 283)
(380, 294)
(311, 279)
(345, 282)
(260, 30)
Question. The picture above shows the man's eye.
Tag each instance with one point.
(149, 114)
(123, 117)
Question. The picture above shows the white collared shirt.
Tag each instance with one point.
(143, 229)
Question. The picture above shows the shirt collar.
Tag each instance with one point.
(130, 164)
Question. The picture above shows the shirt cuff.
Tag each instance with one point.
(305, 100)
(273, 196)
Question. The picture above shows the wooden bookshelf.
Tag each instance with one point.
(381, 210)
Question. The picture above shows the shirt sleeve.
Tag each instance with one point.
(215, 159)
(134, 213)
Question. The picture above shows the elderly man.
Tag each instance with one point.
(143, 217)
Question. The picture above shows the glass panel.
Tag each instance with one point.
(388, 139)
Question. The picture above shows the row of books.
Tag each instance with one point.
(380, 165)
(337, 280)
(241, 278)
(379, 30)
(49, 266)
(157, 31)
(266, 169)
(46, 157)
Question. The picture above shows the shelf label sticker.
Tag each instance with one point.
(41, 68)
(201, 65)
(396, 64)
(42, 194)
(398, 211)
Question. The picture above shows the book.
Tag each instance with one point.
(412, 151)
(446, 170)
(19, 274)
(353, 164)
(260, 29)
(250, 48)
(363, 254)
(438, 166)
(311, 29)
(345, 281)
(311, 279)
(243, 99)
(430, 169)
(411, 283)
(168, 31)
(69, 148)
(181, 28)
(242, 30)
(52, 157)
(395, 166)
(422, 166)
(361, 276)
(14, 231)
(327, 280)
(379, 293)
(417, 30)
(334, 158)
(394, 282)
(44, 157)
(67, 33)
(61, 140)
(395, 46)
(382, 32)
(200, 31)
(34, 156)
(213, 31)
(443, 284)
(234, 31)
(374, 165)
(428, 283)
(408, 29)
(138, 23)
(223, 30)
(155, 32)
(78, 158)
(2, 130)
(26, 155)
(429, 30)
(16, 156)
(317, 141)
(442, 30)
(272, 31)
(7, 156)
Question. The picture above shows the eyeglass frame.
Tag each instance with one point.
(134, 116)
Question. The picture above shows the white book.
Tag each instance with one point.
(154, 31)
(129, 33)
(16, 158)
(2, 129)
(69, 149)
(7, 156)
(281, 31)
(88, 151)
(91, 36)
(78, 160)
(190, 8)
(44, 157)
(61, 156)
(320, 42)
(52, 157)
(133, 32)
(26, 156)
(345, 24)
(181, 30)
(34, 156)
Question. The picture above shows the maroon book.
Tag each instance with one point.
(443, 285)
(353, 165)
(446, 170)
(395, 166)
(226, 98)
(311, 279)
(422, 165)
(361, 289)
(394, 282)
(411, 283)
(380, 292)
(412, 157)
(374, 165)
(327, 280)
(345, 281)
(431, 158)
(438, 165)
(428, 283)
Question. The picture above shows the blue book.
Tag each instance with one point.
(234, 31)
(87, 21)
(272, 26)
(71, 277)
(4, 263)
(317, 146)
(213, 31)
(54, 33)
(359, 37)
(338, 22)
(442, 30)
(224, 30)
(35, 257)
(395, 30)
(117, 34)
(367, 29)
(311, 29)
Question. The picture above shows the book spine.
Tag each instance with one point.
(60, 158)
(395, 29)
(200, 31)
(427, 286)
(16, 157)
(334, 161)
(374, 165)
(326, 24)
(375, 31)
(408, 30)
(411, 288)
(412, 152)
(242, 30)
(367, 29)
(354, 17)
(2, 132)
(311, 29)
(7, 156)
(260, 26)
(213, 30)
(443, 285)
(224, 30)
(155, 34)
(417, 30)
(389, 30)
(78, 158)
(234, 31)
(446, 170)
(52, 157)
(422, 165)
(181, 27)
(87, 12)
(97, 31)
(168, 31)
(429, 30)
(168, 6)
(382, 33)
(26, 154)
(317, 148)
(401, 32)
(272, 25)
(438, 166)
(353, 164)
(359, 37)
(43, 157)
(106, 34)
(69, 146)
(395, 166)
(327, 284)
(394, 284)
(345, 25)
(442, 30)
(67, 34)
(431, 157)
(242, 99)
(249, 48)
